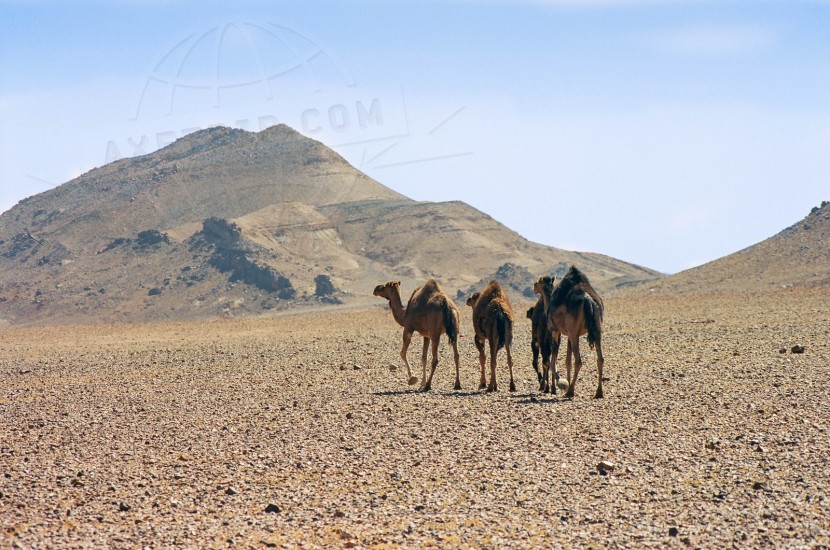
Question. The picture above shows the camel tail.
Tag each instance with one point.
(593, 321)
(502, 328)
(450, 322)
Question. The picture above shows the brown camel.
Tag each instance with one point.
(431, 313)
(543, 341)
(574, 308)
(493, 321)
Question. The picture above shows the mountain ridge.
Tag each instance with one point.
(120, 242)
(798, 256)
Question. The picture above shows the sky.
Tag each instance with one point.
(666, 134)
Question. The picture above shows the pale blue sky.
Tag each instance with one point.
(662, 133)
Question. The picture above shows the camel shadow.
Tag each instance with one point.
(539, 399)
(448, 393)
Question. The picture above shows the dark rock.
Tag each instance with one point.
(673, 531)
(231, 491)
(797, 349)
(323, 286)
(760, 486)
(155, 291)
(272, 509)
(150, 238)
(124, 507)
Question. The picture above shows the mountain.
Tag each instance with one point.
(229, 222)
(798, 256)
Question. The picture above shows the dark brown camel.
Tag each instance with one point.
(574, 308)
(493, 321)
(431, 313)
(542, 343)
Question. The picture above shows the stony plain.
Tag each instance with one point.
(300, 431)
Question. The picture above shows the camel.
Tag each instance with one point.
(574, 308)
(493, 321)
(431, 313)
(543, 341)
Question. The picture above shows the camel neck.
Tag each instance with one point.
(397, 307)
(545, 300)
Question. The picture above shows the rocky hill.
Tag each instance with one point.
(229, 222)
(798, 256)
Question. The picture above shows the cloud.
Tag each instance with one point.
(717, 40)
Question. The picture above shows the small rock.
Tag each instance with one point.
(349, 415)
(357, 367)
(713, 444)
(782, 350)
(419, 508)
(797, 349)
(124, 507)
(606, 465)
(533, 399)
(673, 531)
(603, 472)
(342, 367)
(760, 486)
(272, 509)
(231, 491)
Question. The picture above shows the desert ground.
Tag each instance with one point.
(301, 431)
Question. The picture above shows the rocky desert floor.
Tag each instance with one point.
(301, 431)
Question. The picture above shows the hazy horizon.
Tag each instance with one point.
(665, 135)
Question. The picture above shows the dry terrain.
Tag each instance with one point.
(296, 431)
(225, 220)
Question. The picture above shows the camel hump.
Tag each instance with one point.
(492, 296)
(572, 283)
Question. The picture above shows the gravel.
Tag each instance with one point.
(248, 433)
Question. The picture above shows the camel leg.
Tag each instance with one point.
(493, 352)
(424, 362)
(407, 338)
(551, 386)
(557, 340)
(568, 354)
(457, 370)
(480, 345)
(510, 367)
(535, 348)
(574, 345)
(428, 381)
(600, 364)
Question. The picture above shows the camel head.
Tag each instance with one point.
(544, 284)
(471, 301)
(385, 291)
